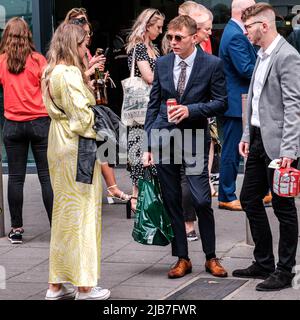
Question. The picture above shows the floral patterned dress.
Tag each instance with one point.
(135, 133)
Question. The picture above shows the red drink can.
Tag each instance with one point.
(170, 105)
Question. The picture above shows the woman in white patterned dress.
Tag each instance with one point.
(76, 221)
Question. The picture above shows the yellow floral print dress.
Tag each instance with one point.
(76, 219)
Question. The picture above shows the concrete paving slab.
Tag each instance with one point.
(138, 257)
(139, 292)
(21, 290)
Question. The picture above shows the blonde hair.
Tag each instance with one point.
(74, 13)
(189, 8)
(165, 45)
(64, 48)
(146, 19)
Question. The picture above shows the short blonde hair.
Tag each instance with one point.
(188, 7)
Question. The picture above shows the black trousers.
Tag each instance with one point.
(170, 178)
(16, 137)
(187, 202)
(257, 181)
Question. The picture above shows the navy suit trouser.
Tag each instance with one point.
(232, 129)
(169, 178)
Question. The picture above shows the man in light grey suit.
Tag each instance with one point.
(272, 132)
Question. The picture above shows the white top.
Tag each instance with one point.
(177, 69)
(259, 78)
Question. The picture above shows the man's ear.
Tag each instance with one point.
(195, 39)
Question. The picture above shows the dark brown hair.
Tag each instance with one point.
(17, 44)
(183, 21)
(256, 9)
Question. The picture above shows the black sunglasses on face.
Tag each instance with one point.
(176, 37)
(80, 21)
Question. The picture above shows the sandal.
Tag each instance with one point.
(129, 208)
(112, 197)
(215, 193)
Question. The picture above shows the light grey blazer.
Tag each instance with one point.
(279, 104)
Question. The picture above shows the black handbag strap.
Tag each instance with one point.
(50, 96)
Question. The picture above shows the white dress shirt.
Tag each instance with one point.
(177, 69)
(259, 79)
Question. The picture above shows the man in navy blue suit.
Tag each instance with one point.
(196, 80)
(239, 57)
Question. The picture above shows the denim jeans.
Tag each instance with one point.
(16, 137)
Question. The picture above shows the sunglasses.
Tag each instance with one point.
(248, 26)
(77, 10)
(80, 21)
(152, 15)
(176, 37)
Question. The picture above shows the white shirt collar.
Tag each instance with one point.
(189, 60)
(240, 24)
(264, 54)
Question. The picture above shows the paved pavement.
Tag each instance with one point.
(130, 270)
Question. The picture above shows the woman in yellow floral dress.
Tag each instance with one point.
(76, 220)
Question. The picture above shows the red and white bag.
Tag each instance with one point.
(286, 182)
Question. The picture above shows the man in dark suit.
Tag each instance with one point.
(197, 81)
(239, 58)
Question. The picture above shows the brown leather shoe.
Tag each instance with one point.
(234, 205)
(214, 267)
(268, 198)
(181, 268)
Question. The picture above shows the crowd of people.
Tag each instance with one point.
(48, 104)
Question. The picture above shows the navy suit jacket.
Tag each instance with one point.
(204, 95)
(239, 57)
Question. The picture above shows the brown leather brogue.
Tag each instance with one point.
(181, 268)
(214, 267)
(234, 205)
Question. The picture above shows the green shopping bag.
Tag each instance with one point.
(152, 225)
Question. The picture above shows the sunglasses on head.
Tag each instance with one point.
(176, 37)
(80, 21)
(77, 10)
(152, 15)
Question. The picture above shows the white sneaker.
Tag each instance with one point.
(96, 293)
(64, 293)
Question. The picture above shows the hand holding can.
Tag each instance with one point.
(170, 108)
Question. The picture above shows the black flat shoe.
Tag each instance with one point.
(278, 280)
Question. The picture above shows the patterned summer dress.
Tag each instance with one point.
(75, 245)
(135, 133)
